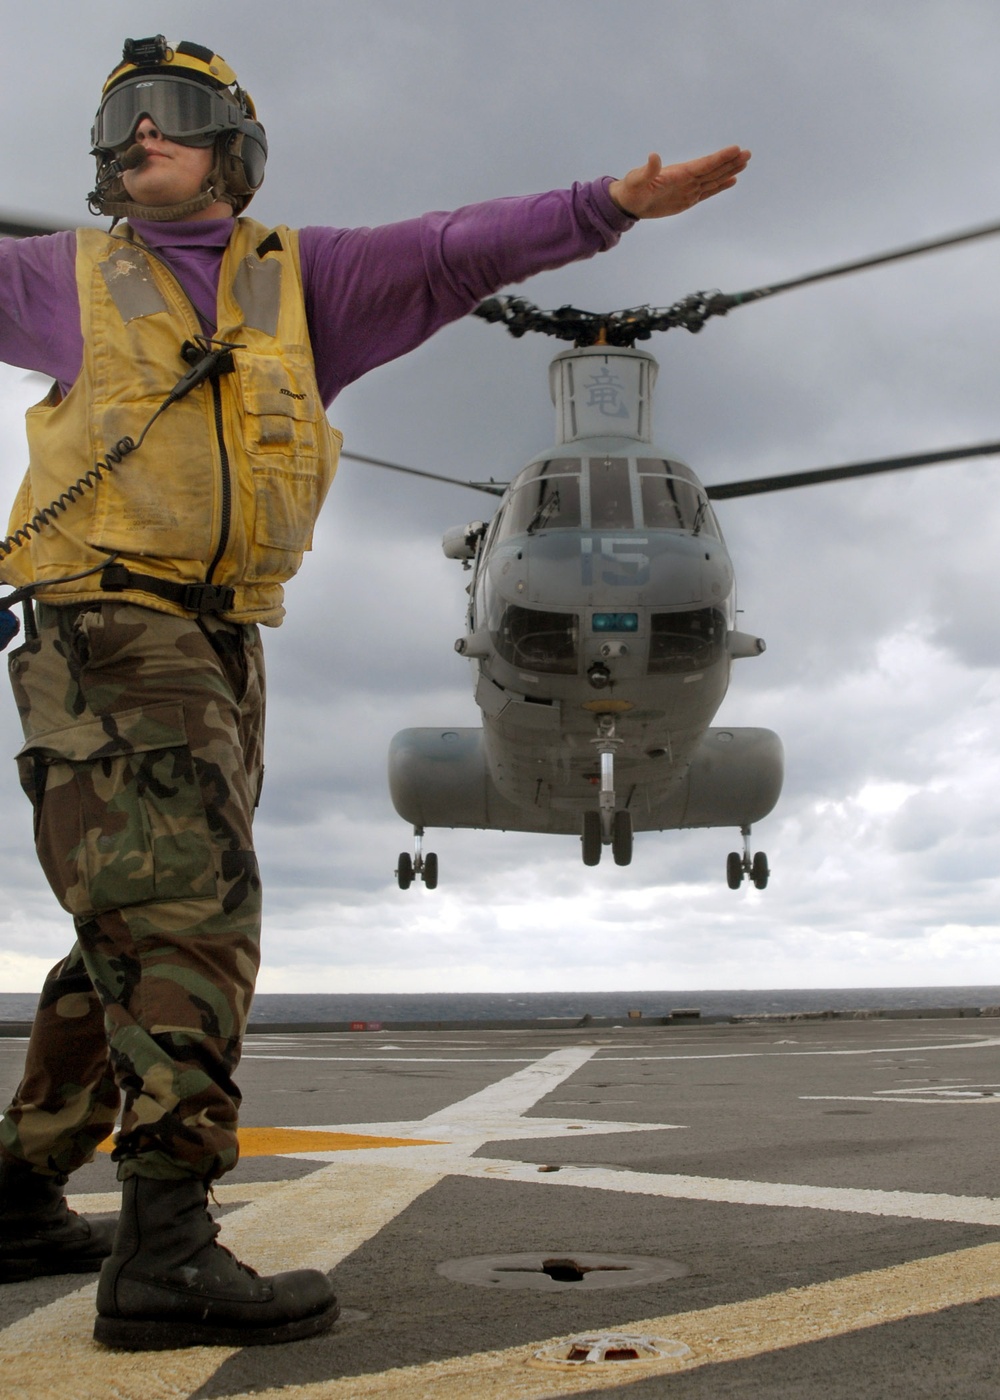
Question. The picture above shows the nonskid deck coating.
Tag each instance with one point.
(829, 1187)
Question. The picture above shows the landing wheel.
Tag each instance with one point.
(621, 838)
(404, 871)
(591, 838)
(430, 870)
(734, 870)
(760, 871)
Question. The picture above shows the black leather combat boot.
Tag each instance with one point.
(168, 1284)
(39, 1234)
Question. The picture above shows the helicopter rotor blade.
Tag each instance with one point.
(624, 328)
(491, 488)
(758, 486)
(911, 250)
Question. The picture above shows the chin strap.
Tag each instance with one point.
(223, 179)
(162, 213)
(158, 213)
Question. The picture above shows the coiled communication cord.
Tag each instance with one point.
(208, 359)
(87, 482)
(211, 358)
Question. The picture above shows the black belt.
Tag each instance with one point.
(196, 597)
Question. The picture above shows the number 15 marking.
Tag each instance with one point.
(616, 561)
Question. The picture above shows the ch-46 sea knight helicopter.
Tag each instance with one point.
(601, 617)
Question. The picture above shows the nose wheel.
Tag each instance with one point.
(609, 825)
(754, 866)
(418, 866)
(591, 838)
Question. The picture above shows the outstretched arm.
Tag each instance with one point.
(373, 294)
(654, 190)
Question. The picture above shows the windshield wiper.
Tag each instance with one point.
(544, 514)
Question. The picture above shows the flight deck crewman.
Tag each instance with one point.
(140, 682)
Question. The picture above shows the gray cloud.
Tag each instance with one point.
(872, 126)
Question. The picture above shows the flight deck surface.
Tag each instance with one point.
(779, 1209)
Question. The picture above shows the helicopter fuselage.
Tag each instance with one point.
(594, 613)
(601, 629)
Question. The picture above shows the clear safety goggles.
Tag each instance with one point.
(182, 110)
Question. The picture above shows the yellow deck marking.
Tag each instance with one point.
(104, 1202)
(732, 1332)
(274, 1142)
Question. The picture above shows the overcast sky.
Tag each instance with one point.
(872, 125)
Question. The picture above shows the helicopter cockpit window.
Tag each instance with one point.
(672, 499)
(548, 498)
(537, 641)
(610, 494)
(685, 641)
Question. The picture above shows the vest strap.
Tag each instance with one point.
(196, 597)
(270, 244)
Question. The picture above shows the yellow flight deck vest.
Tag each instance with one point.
(228, 483)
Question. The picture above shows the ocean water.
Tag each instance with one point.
(277, 1008)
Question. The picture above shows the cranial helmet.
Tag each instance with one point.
(192, 96)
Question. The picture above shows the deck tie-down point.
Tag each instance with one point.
(598, 1348)
(563, 1270)
(559, 1271)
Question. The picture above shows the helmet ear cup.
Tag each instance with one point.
(240, 162)
(245, 159)
(254, 155)
(232, 169)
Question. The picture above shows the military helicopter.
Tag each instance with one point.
(601, 617)
(601, 626)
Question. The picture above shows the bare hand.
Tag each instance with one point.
(653, 190)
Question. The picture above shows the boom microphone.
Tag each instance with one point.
(134, 156)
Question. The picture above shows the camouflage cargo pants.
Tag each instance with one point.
(142, 760)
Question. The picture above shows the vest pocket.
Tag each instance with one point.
(159, 502)
(119, 817)
(283, 422)
(282, 412)
(285, 508)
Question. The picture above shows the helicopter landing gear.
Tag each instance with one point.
(424, 866)
(738, 865)
(607, 826)
(621, 837)
(591, 838)
(430, 870)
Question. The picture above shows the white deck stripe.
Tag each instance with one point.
(911, 1205)
(377, 1059)
(983, 1043)
(940, 1100)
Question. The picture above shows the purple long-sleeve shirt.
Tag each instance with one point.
(371, 294)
